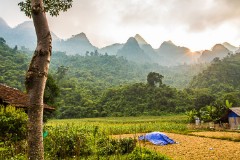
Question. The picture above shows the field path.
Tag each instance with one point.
(195, 148)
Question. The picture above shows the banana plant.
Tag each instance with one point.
(228, 104)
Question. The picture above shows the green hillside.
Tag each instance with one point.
(220, 76)
(221, 80)
(13, 66)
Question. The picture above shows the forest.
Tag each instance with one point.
(100, 85)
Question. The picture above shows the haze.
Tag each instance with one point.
(192, 23)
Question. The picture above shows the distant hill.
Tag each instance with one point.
(4, 27)
(230, 47)
(140, 40)
(132, 52)
(175, 55)
(77, 44)
(22, 35)
(221, 76)
(168, 54)
(148, 49)
(237, 51)
(218, 50)
(111, 49)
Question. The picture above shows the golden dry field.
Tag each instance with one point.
(222, 135)
(196, 148)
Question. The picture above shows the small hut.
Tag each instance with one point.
(15, 97)
(234, 118)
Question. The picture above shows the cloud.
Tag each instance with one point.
(108, 21)
(195, 15)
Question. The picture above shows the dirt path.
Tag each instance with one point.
(195, 148)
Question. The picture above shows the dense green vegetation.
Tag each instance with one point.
(13, 65)
(80, 85)
(13, 124)
(221, 86)
(221, 80)
(98, 85)
(142, 99)
(221, 76)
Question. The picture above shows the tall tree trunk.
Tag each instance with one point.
(36, 79)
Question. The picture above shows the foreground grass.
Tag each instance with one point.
(124, 125)
(91, 137)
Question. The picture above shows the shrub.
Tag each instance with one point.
(13, 124)
(145, 154)
(66, 141)
(107, 146)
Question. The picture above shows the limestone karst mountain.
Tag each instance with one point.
(148, 49)
(230, 47)
(132, 51)
(22, 35)
(135, 49)
(217, 50)
(77, 44)
(175, 55)
(111, 49)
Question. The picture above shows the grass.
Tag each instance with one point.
(79, 138)
(124, 125)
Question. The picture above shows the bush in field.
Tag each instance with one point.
(108, 146)
(143, 153)
(13, 124)
(64, 142)
(126, 145)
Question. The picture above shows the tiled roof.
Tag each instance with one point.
(15, 97)
(236, 110)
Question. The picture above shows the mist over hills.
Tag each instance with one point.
(112, 49)
(22, 35)
(77, 44)
(218, 50)
(132, 51)
(135, 49)
(147, 48)
(230, 47)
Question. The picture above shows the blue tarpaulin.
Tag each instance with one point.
(157, 138)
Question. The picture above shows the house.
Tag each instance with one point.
(15, 97)
(234, 118)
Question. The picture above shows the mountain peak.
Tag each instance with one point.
(226, 43)
(132, 51)
(82, 35)
(230, 46)
(3, 23)
(132, 41)
(140, 40)
(169, 42)
(219, 47)
(25, 25)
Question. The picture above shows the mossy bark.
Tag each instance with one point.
(36, 79)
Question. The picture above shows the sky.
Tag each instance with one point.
(196, 24)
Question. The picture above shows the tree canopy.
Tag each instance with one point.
(53, 7)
